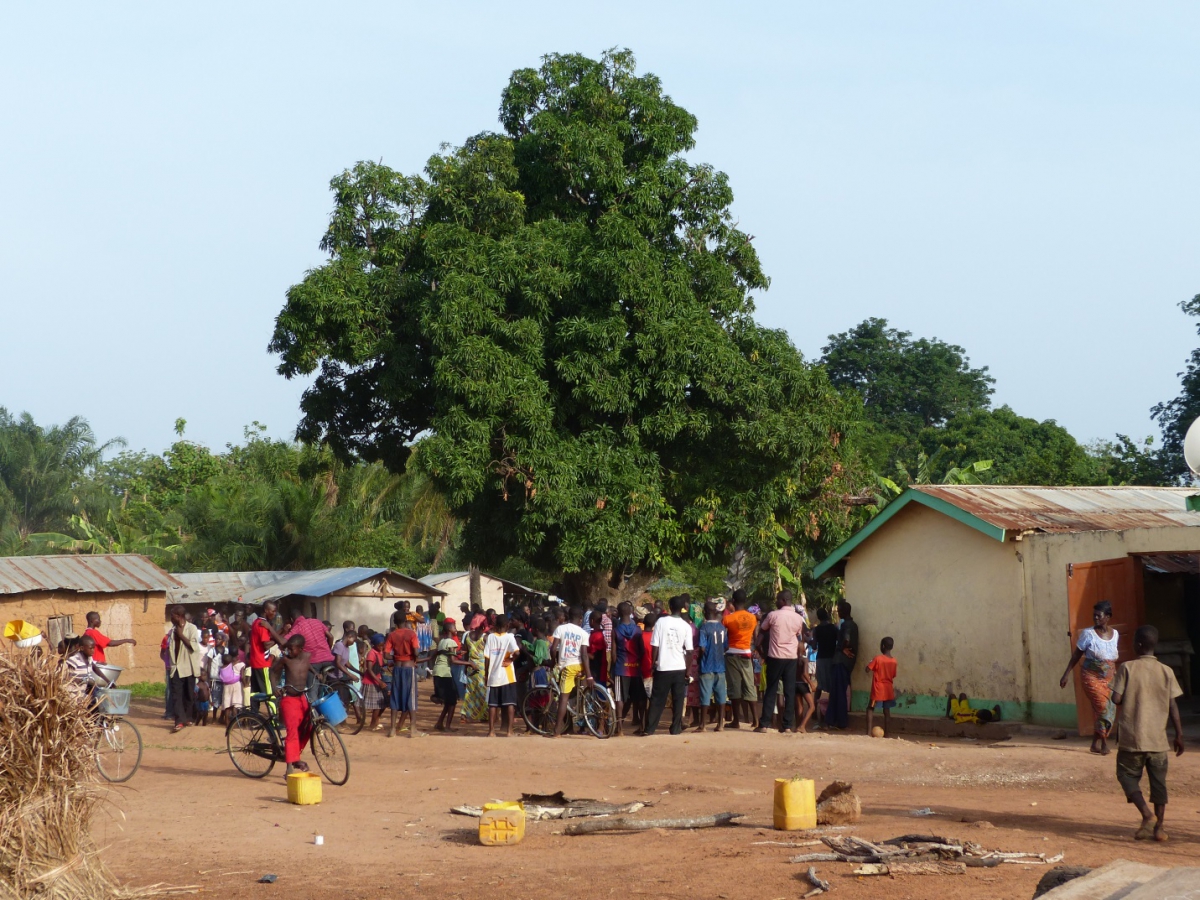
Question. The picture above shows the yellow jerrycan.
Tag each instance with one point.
(502, 823)
(795, 804)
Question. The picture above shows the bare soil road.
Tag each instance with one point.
(189, 818)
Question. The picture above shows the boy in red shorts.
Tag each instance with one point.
(294, 665)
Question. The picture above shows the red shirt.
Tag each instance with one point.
(101, 643)
(598, 651)
(259, 638)
(374, 657)
(647, 654)
(883, 673)
(402, 644)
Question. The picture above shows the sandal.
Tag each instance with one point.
(1145, 832)
(177, 728)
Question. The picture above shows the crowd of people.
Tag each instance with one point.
(717, 663)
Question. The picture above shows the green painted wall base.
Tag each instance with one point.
(1058, 715)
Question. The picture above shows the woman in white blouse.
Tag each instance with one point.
(1097, 647)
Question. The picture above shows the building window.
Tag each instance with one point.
(57, 628)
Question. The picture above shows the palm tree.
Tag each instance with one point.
(44, 469)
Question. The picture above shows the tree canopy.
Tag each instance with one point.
(564, 310)
(906, 385)
(1176, 416)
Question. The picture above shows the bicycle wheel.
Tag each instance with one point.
(118, 750)
(346, 695)
(252, 743)
(540, 710)
(599, 711)
(330, 753)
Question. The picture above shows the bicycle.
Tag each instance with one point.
(587, 707)
(118, 742)
(254, 745)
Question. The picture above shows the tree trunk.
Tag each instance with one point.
(612, 585)
(475, 588)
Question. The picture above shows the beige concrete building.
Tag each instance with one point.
(57, 592)
(365, 596)
(985, 589)
(495, 593)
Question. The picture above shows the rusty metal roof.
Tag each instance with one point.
(90, 574)
(1068, 509)
(1004, 512)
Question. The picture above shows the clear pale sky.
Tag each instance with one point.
(1017, 178)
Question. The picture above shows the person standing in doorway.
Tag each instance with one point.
(780, 640)
(671, 648)
(1097, 648)
(187, 656)
(838, 714)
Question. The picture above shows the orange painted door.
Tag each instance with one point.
(1119, 581)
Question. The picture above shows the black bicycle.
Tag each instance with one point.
(254, 743)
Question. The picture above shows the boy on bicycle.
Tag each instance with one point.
(295, 666)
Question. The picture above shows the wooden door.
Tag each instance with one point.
(1119, 581)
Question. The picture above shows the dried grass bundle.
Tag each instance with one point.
(48, 786)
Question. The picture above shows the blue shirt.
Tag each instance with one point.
(622, 634)
(714, 641)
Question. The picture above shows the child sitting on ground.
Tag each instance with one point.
(883, 690)
(959, 709)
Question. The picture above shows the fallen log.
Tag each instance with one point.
(831, 857)
(535, 813)
(624, 824)
(912, 868)
(917, 839)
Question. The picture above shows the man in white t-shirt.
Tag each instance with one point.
(671, 647)
(499, 651)
(568, 645)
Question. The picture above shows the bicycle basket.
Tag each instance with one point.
(113, 701)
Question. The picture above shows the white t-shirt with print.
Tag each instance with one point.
(673, 638)
(495, 648)
(571, 638)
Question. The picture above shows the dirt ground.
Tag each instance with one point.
(188, 818)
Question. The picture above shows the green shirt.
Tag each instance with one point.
(441, 664)
(539, 650)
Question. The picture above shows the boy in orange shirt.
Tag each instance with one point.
(883, 691)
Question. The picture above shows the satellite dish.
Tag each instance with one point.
(1191, 447)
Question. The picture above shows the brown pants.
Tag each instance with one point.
(1130, 764)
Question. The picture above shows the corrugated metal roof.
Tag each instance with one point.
(1067, 509)
(442, 577)
(221, 587)
(91, 574)
(259, 587)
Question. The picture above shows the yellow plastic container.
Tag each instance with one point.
(304, 788)
(795, 804)
(502, 823)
